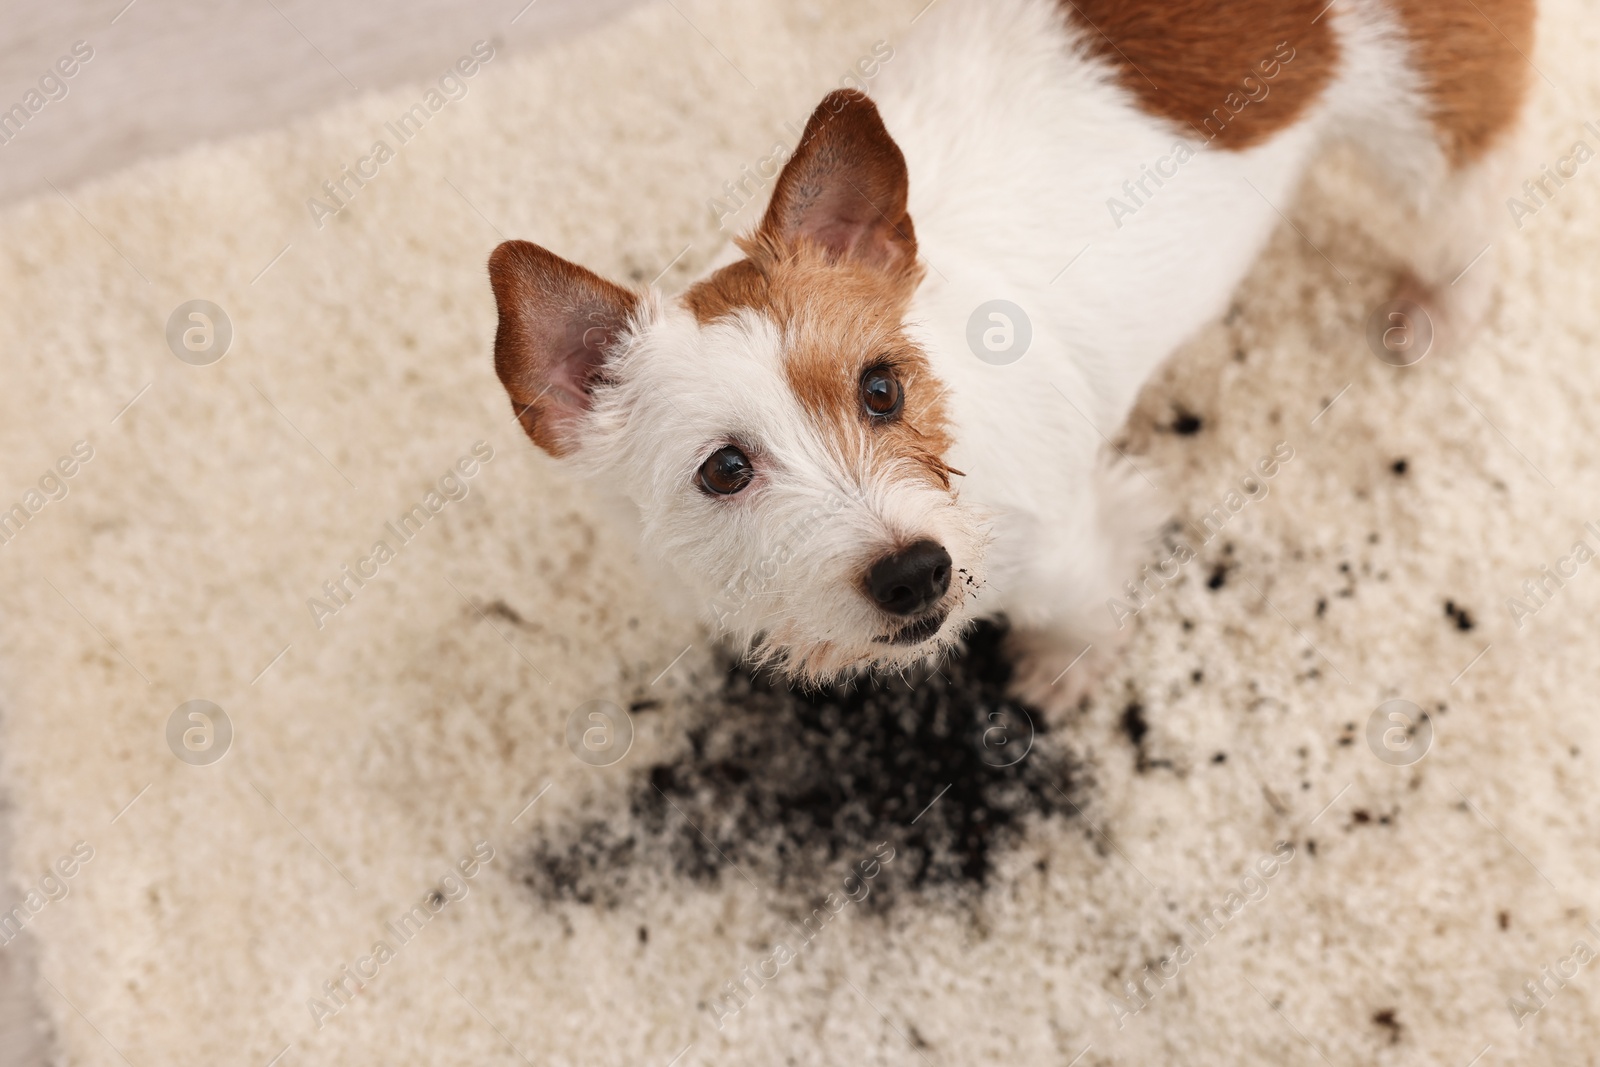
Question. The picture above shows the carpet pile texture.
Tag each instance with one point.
(877, 888)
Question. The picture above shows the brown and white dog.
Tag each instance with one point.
(852, 436)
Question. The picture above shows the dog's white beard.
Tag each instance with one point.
(788, 591)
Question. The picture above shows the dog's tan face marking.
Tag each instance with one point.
(838, 321)
(833, 339)
(1234, 72)
(833, 266)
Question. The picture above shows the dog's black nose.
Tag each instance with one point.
(910, 580)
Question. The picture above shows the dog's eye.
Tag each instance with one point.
(726, 471)
(881, 393)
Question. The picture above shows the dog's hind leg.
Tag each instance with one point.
(1462, 150)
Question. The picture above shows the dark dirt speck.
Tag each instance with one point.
(1134, 724)
(1186, 423)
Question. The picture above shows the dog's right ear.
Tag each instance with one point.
(845, 187)
(559, 324)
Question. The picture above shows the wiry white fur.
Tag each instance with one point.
(782, 560)
(1014, 139)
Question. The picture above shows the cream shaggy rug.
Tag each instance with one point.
(753, 881)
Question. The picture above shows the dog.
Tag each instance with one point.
(886, 412)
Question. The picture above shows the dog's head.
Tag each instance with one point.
(778, 425)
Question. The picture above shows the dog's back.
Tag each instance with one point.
(1111, 170)
(1164, 140)
(957, 292)
(1460, 64)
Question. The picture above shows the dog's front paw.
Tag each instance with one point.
(1058, 669)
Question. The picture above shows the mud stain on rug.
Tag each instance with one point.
(779, 785)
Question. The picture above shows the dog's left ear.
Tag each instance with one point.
(559, 325)
(845, 187)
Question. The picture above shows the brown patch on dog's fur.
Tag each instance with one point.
(1201, 63)
(837, 324)
(837, 320)
(556, 321)
(1472, 60)
(738, 285)
(834, 266)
